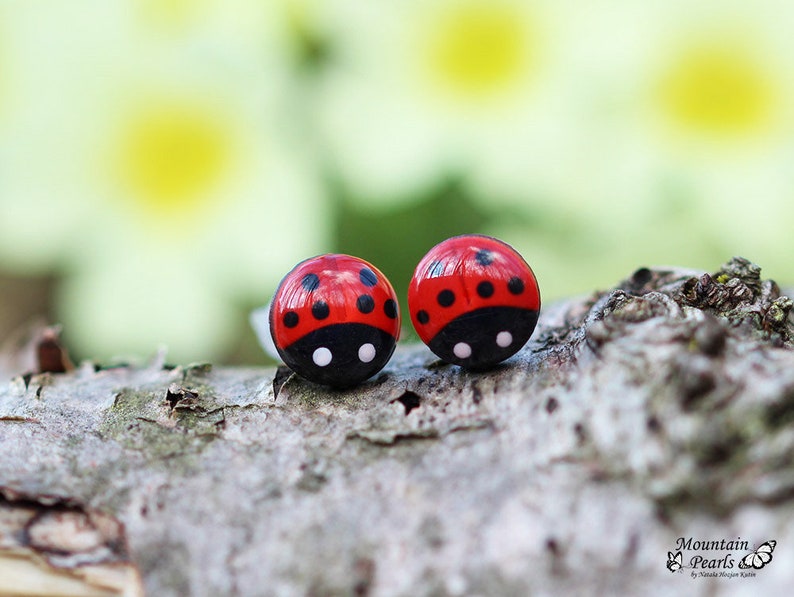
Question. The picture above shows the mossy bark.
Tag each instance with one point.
(658, 410)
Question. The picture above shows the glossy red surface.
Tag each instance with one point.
(474, 300)
(338, 285)
(454, 265)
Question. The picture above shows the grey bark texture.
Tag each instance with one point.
(658, 410)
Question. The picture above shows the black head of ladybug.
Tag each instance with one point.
(484, 337)
(341, 355)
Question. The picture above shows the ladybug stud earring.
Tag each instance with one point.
(474, 301)
(335, 320)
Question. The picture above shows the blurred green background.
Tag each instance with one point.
(164, 163)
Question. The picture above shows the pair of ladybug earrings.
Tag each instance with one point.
(473, 300)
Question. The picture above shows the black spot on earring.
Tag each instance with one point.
(390, 308)
(367, 277)
(484, 257)
(365, 303)
(320, 310)
(445, 298)
(310, 282)
(515, 286)
(290, 319)
(422, 317)
(485, 289)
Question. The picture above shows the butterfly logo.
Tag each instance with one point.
(760, 557)
(674, 561)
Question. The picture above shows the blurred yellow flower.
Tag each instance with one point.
(473, 50)
(696, 140)
(155, 166)
(718, 90)
(171, 156)
(169, 14)
(420, 91)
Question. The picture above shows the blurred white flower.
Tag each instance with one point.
(5, 82)
(418, 91)
(155, 165)
(628, 132)
(692, 143)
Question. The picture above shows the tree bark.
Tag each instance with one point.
(658, 410)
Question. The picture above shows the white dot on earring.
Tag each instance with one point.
(462, 350)
(504, 339)
(322, 356)
(366, 353)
